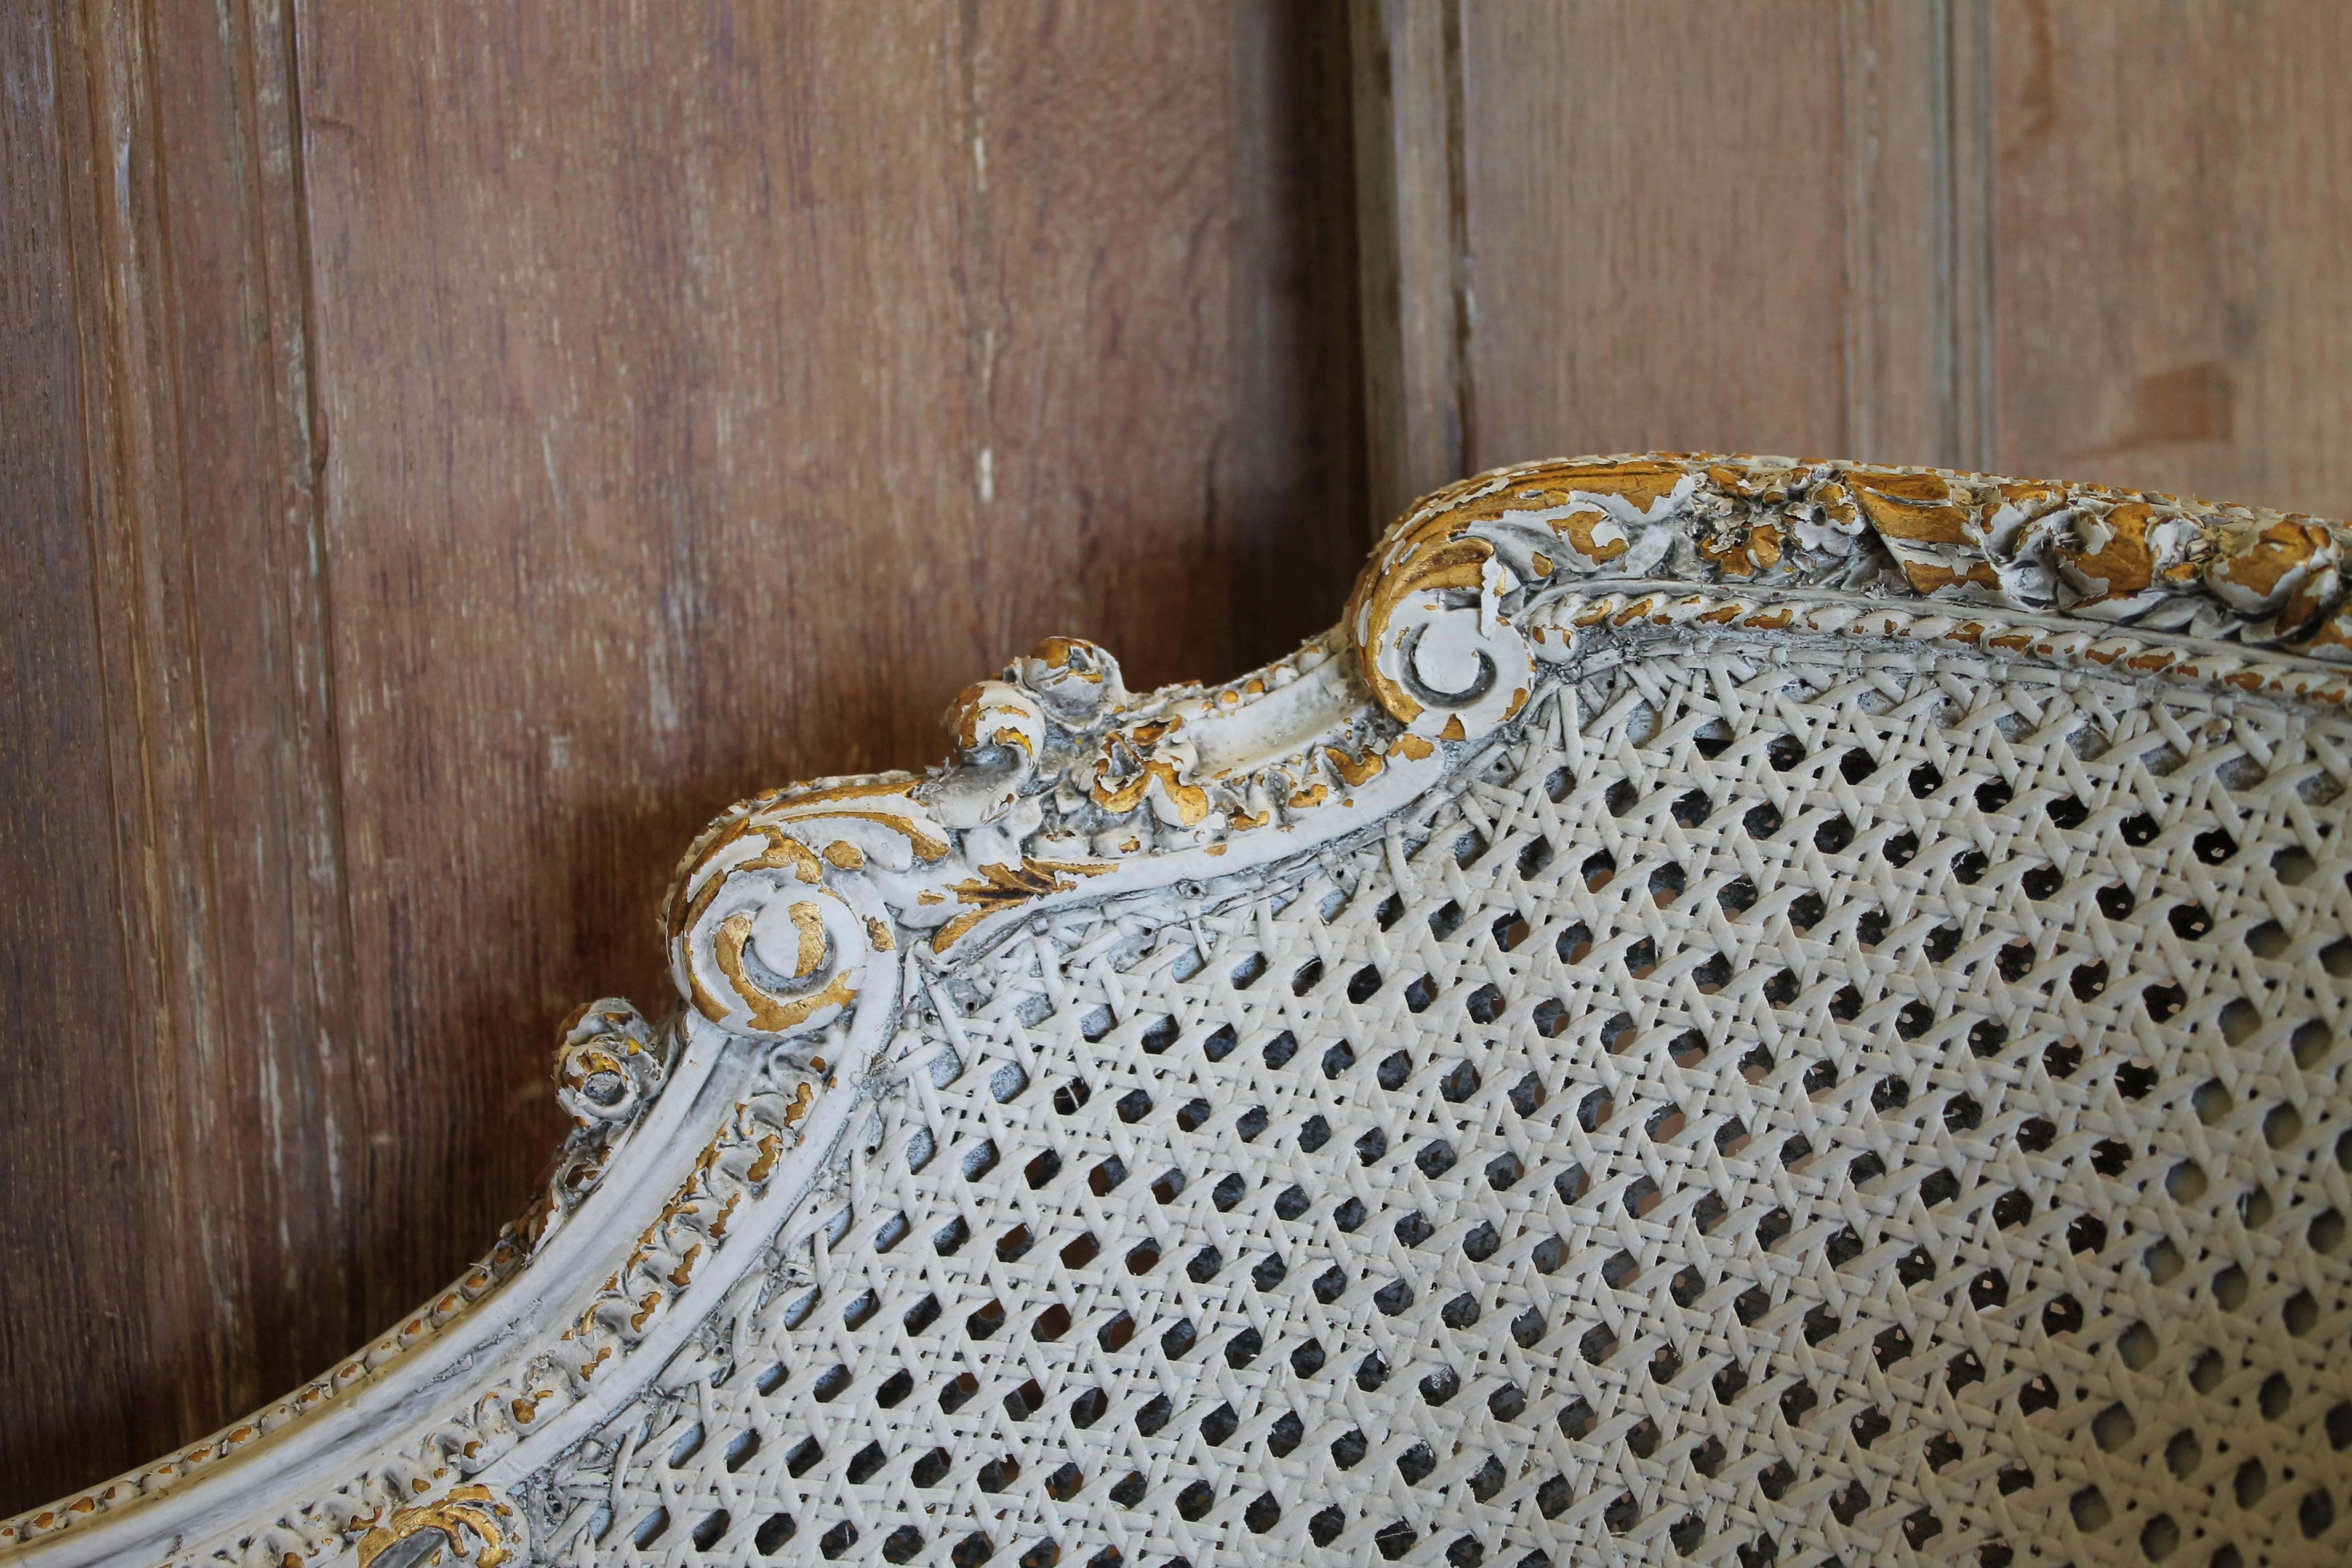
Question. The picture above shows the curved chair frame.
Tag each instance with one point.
(811, 929)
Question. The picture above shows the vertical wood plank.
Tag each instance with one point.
(1710, 228)
(2171, 305)
(276, 1119)
(181, 1085)
(1907, 234)
(1657, 226)
(699, 416)
(1298, 372)
(70, 1289)
(1412, 218)
(1966, 170)
(175, 198)
(154, 735)
(468, 448)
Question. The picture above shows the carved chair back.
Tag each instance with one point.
(1734, 1011)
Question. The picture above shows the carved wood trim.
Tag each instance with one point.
(804, 920)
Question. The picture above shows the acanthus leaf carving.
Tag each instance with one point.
(472, 1525)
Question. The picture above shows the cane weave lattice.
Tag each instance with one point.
(1791, 1102)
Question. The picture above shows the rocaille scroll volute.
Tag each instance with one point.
(781, 909)
(1431, 614)
(607, 1065)
(760, 942)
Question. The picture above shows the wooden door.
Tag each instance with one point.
(447, 452)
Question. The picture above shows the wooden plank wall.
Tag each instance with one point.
(446, 454)
(2095, 239)
(450, 452)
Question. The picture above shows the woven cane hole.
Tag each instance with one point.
(1781, 1108)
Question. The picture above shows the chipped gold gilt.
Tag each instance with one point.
(747, 1319)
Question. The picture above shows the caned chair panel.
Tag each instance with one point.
(1757, 1052)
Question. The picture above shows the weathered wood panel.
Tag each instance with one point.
(195, 1005)
(2173, 310)
(263, 1126)
(2087, 240)
(1701, 227)
(513, 440)
(70, 1335)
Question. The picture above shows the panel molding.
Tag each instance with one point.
(1411, 204)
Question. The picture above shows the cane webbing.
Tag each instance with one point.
(1793, 1102)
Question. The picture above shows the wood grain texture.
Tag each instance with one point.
(2092, 240)
(512, 440)
(1701, 227)
(185, 610)
(2172, 307)
(70, 1337)
(277, 1102)
(1411, 213)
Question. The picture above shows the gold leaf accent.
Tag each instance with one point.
(1191, 801)
(808, 921)
(465, 1511)
(1355, 771)
(768, 1010)
(1581, 527)
(999, 887)
(1913, 507)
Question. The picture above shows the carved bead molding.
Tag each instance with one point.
(802, 920)
(412, 1497)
